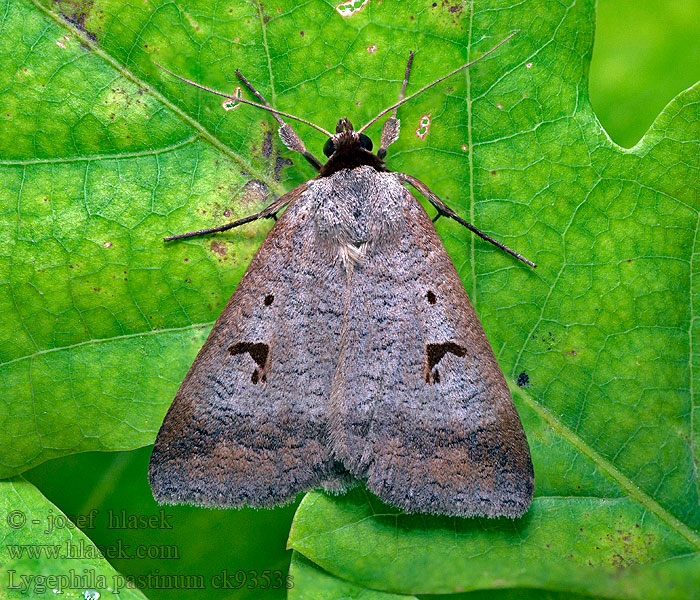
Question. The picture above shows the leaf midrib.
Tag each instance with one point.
(690, 360)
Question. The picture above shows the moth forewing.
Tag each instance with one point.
(248, 424)
(419, 408)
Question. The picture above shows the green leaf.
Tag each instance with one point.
(607, 547)
(511, 594)
(44, 554)
(96, 168)
(312, 583)
(102, 154)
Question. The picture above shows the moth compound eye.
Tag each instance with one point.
(329, 147)
(365, 142)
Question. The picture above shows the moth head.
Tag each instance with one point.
(346, 137)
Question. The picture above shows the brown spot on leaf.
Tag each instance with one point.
(231, 104)
(76, 12)
(626, 547)
(523, 379)
(453, 7)
(219, 248)
(423, 127)
(267, 144)
(254, 192)
(351, 7)
(280, 163)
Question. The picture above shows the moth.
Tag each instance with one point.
(348, 353)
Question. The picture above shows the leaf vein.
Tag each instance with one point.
(106, 340)
(634, 492)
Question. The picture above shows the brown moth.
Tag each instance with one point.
(348, 352)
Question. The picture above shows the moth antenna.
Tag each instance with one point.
(287, 134)
(257, 94)
(274, 111)
(420, 91)
(402, 93)
(392, 126)
(270, 212)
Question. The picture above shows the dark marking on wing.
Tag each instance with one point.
(430, 296)
(269, 299)
(434, 354)
(258, 352)
(255, 377)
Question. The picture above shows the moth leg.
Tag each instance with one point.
(446, 211)
(392, 126)
(270, 212)
(288, 136)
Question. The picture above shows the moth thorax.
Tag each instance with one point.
(355, 211)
